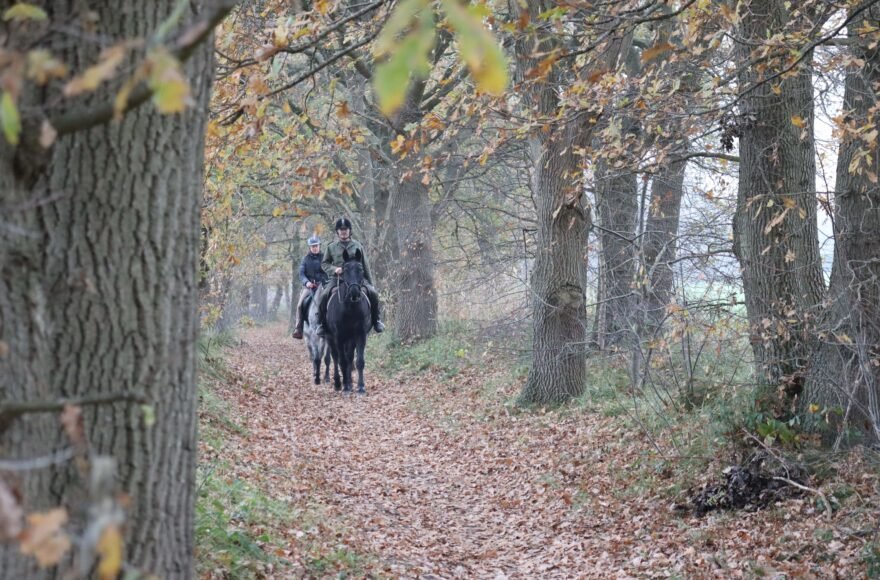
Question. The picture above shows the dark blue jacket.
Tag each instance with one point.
(310, 269)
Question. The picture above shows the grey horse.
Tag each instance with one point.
(318, 347)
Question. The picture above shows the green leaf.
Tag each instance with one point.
(478, 48)
(409, 56)
(23, 11)
(402, 17)
(9, 119)
(149, 414)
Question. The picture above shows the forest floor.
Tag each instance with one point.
(435, 477)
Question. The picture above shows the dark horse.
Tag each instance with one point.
(348, 321)
(318, 347)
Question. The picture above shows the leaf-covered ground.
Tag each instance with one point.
(437, 478)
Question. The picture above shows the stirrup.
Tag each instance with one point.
(319, 330)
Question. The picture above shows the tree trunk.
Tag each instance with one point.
(276, 301)
(559, 353)
(775, 231)
(98, 291)
(659, 244)
(617, 205)
(260, 294)
(845, 373)
(415, 314)
(558, 370)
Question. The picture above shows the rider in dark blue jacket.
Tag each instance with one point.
(311, 275)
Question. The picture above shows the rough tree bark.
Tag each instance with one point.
(845, 372)
(775, 231)
(99, 255)
(559, 353)
(659, 244)
(617, 205)
(415, 313)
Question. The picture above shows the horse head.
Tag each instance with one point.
(353, 275)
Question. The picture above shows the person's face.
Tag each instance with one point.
(344, 234)
(316, 249)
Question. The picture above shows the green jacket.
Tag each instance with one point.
(333, 258)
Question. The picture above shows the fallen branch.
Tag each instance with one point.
(828, 510)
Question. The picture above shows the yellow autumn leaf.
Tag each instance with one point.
(109, 550)
(24, 11)
(93, 76)
(42, 66)
(170, 89)
(797, 121)
(814, 408)
(323, 7)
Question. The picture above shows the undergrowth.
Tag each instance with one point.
(447, 353)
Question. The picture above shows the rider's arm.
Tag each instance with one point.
(327, 263)
(302, 272)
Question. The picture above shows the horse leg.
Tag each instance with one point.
(337, 382)
(316, 367)
(327, 358)
(360, 365)
(348, 357)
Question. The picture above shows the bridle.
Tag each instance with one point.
(347, 292)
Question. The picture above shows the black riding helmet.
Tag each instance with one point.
(343, 224)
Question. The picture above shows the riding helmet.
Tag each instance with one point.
(343, 224)
(314, 241)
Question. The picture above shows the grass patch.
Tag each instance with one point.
(447, 353)
(351, 563)
(233, 519)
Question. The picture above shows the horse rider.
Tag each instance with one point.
(312, 275)
(332, 265)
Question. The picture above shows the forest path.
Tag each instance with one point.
(437, 479)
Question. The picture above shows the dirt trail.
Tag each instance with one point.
(438, 480)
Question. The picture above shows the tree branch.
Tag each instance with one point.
(185, 47)
(11, 410)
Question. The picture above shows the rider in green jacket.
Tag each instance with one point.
(332, 265)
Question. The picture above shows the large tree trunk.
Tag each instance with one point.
(559, 353)
(845, 373)
(415, 313)
(98, 292)
(558, 279)
(775, 231)
(617, 208)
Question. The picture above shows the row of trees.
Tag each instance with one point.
(613, 108)
(571, 187)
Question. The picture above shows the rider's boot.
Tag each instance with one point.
(322, 314)
(376, 313)
(300, 319)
